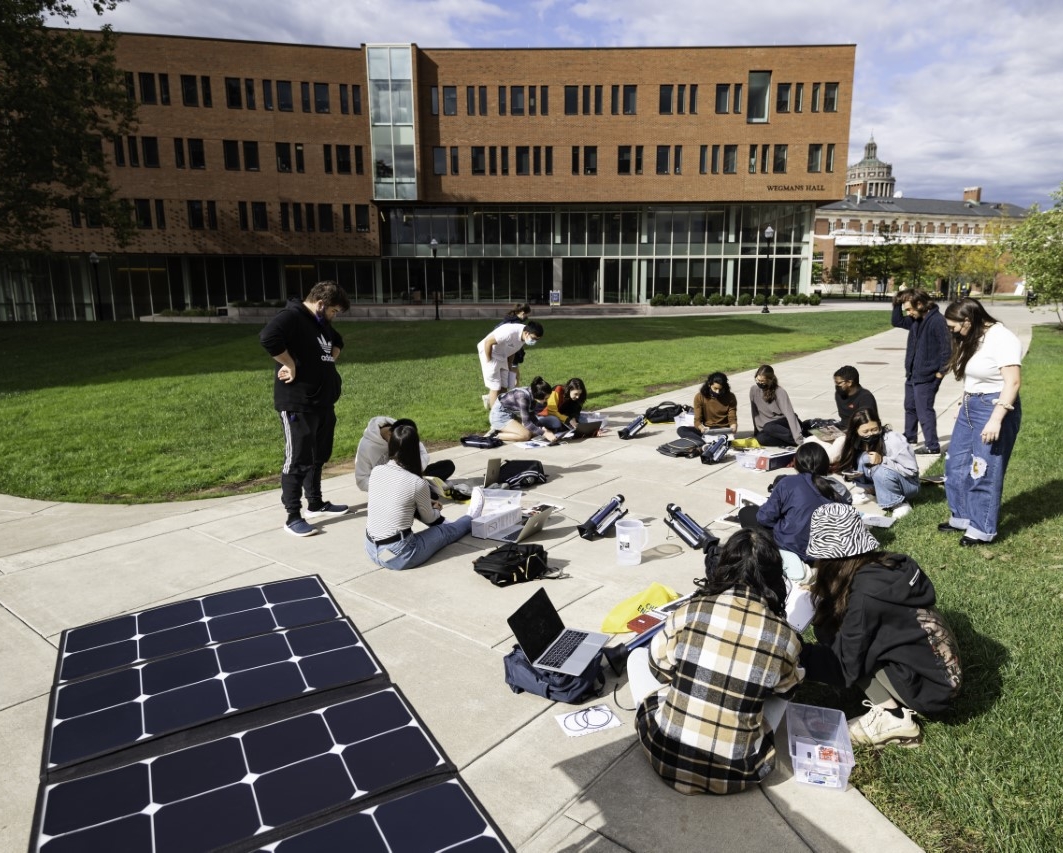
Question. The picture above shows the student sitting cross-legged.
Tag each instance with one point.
(715, 407)
(884, 460)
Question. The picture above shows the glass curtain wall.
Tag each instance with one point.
(391, 117)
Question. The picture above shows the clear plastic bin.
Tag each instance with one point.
(488, 524)
(820, 749)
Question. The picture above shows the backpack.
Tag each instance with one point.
(514, 563)
(522, 677)
(714, 450)
(685, 448)
(633, 428)
(666, 412)
(521, 474)
(481, 441)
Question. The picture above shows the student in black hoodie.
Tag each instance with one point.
(302, 340)
(876, 628)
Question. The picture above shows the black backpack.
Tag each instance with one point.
(522, 474)
(666, 412)
(514, 563)
(481, 441)
(521, 676)
(685, 448)
(714, 450)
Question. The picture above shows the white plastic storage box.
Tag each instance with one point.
(496, 500)
(820, 749)
(488, 524)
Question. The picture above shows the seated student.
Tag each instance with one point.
(793, 499)
(711, 688)
(564, 405)
(397, 494)
(849, 396)
(876, 628)
(715, 407)
(513, 415)
(496, 353)
(884, 459)
(373, 451)
(774, 422)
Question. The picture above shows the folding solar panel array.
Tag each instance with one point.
(256, 719)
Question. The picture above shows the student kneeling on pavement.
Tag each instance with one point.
(711, 689)
(876, 628)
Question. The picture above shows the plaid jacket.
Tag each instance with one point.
(719, 658)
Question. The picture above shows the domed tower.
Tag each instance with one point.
(870, 178)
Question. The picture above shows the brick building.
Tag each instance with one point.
(487, 175)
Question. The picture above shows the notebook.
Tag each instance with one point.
(547, 643)
(827, 433)
(524, 529)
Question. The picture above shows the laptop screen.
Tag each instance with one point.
(536, 624)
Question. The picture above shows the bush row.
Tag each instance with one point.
(680, 299)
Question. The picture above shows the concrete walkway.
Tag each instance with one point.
(440, 630)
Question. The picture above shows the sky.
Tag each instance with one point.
(956, 93)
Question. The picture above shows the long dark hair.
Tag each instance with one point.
(767, 373)
(750, 558)
(716, 378)
(964, 346)
(834, 582)
(812, 459)
(854, 445)
(540, 389)
(576, 384)
(404, 446)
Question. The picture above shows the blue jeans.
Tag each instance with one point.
(418, 547)
(891, 487)
(974, 470)
(919, 412)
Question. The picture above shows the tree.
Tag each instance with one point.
(62, 96)
(984, 262)
(1036, 247)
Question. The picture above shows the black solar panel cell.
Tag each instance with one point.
(169, 616)
(247, 623)
(99, 659)
(247, 598)
(83, 802)
(174, 640)
(92, 734)
(101, 633)
(276, 745)
(187, 772)
(207, 821)
(293, 589)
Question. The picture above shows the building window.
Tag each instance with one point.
(325, 218)
(300, 159)
(799, 97)
(346, 213)
(345, 99)
(454, 158)
(311, 219)
(516, 100)
(249, 93)
(251, 156)
(693, 99)
(492, 160)
(267, 95)
(179, 152)
(285, 217)
(259, 218)
(815, 157)
(815, 97)
(544, 100)
(638, 159)
(830, 157)
(730, 159)
(284, 96)
(738, 99)
(195, 215)
(233, 99)
(597, 100)
(759, 94)
(208, 98)
(782, 97)
(327, 151)
(523, 160)
(571, 100)
(119, 151)
(241, 207)
(586, 100)
(630, 98)
(439, 159)
(680, 98)
(715, 159)
(531, 100)
(142, 211)
(575, 159)
(723, 98)
(212, 216)
(321, 98)
(764, 152)
(590, 160)
(75, 212)
(343, 159)
(470, 100)
(284, 156)
(197, 158)
(231, 154)
(703, 160)
(361, 217)
(548, 163)
(356, 99)
(663, 156)
(505, 159)
(450, 100)
(147, 96)
(753, 159)
(614, 100)
(359, 161)
(830, 97)
(297, 216)
(304, 96)
(623, 160)
(150, 146)
(479, 160)
(667, 90)
(134, 152)
(130, 86)
(482, 98)
(189, 91)
(677, 160)
(779, 164)
(501, 100)
(160, 214)
(434, 100)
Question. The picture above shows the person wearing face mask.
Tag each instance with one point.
(987, 357)
(925, 359)
(306, 386)
(884, 460)
(496, 353)
(519, 313)
(715, 408)
(775, 424)
(849, 396)
(513, 415)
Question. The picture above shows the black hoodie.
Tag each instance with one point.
(309, 342)
(891, 623)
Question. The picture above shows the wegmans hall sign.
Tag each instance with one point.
(797, 188)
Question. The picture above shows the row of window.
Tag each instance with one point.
(860, 226)
(336, 159)
(254, 216)
(714, 159)
(241, 93)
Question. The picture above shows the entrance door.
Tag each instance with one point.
(618, 280)
(579, 279)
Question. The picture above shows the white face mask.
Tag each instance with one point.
(530, 342)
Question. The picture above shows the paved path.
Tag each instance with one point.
(440, 630)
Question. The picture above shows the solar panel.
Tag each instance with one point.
(263, 778)
(193, 623)
(100, 714)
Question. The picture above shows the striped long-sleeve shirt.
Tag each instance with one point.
(396, 496)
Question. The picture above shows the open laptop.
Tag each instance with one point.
(524, 529)
(547, 643)
(493, 472)
(583, 429)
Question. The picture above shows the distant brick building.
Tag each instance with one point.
(609, 175)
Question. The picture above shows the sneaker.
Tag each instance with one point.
(878, 727)
(900, 510)
(299, 527)
(327, 509)
(476, 503)
(945, 527)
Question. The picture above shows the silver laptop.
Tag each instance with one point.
(493, 472)
(525, 529)
(583, 429)
(547, 643)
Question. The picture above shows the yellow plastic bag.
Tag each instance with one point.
(652, 596)
(745, 444)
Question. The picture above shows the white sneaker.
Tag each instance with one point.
(878, 727)
(901, 510)
(476, 502)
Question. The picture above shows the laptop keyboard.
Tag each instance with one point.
(562, 650)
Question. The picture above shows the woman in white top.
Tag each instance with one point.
(988, 358)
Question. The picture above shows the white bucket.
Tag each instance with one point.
(631, 538)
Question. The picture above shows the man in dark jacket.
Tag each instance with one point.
(929, 349)
(302, 340)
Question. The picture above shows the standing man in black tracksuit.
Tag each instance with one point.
(304, 343)
(929, 350)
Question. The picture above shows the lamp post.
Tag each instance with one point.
(769, 235)
(434, 243)
(94, 262)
